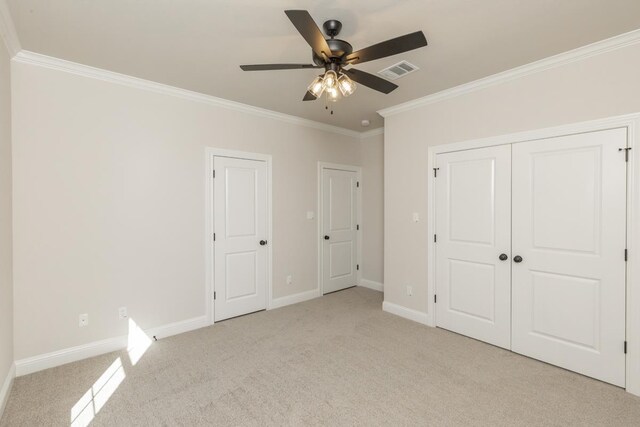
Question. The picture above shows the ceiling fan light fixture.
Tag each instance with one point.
(333, 94)
(346, 85)
(330, 80)
(316, 87)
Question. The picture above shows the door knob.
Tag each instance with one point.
(517, 258)
(326, 237)
(263, 242)
(503, 257)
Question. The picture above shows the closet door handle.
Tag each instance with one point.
(263, 242)
(326, 237)
(517, 258)
(503, 257)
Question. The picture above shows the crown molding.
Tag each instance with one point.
(584, 52)
(32, 58)
(372, 132)
(8, 30)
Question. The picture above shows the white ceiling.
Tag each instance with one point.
(199, 44)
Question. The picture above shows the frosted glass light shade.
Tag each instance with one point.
(333, 94)
(330, 80)
(316, 87)
(346, 85)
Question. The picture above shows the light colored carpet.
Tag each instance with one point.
(336, 360)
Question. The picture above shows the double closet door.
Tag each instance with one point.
(530, 252)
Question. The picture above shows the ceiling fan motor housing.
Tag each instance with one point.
(339, 49)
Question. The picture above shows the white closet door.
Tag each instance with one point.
(569, 228)
(240, 209)
(339, 222)
(473, 228)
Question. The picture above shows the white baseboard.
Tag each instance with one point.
(6, 388)
(294, 299)
(178, 327)
(376, 286)
(408, 313)
(96, 348)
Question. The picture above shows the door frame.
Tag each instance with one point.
(629, 121)
(358, 171)
(210, 154)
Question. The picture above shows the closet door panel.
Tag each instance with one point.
(473, 222)
(569, 227)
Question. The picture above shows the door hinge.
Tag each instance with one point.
(435, 299)
(435, 172)
(435, 238)
(626, 255)
(214, 295)
(214, 237)
(358, 184)
(625, 347)
(358, 227)
(214, 173)
(626, 153)
(357, 266)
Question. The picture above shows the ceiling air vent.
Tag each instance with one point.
(398, 70)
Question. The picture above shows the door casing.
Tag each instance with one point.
(632, 123)
(358, 171)
(210, 154)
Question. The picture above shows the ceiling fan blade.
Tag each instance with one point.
(369, 80)
(387, 48)
(266, 67)
(309, 31)
(309, 97)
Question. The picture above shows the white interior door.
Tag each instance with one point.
(339, 226)
(473, 221)
(240, 226)
(569, 225)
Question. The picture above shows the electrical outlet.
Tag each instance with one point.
(310, 215)
(83, 320)
(122, 313)
(416, 217)
(289, 280)
(410, 290)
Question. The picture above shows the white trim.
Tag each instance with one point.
(632, 123)
(372, 132)
(633, 246)
(8, 30)
(210, 154)
(584, 52)
(294, 299)
(177, 328)
(68, 355)
(96, 348)
(407, 313)
(32, 58)
(358, 171)
(6, 388)
(376, 286)
(431, 231)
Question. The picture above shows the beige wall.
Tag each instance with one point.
(372, 208)
(596, 87)
(6, 280)
(109, 203)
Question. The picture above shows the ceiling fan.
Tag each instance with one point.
(334, 55)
